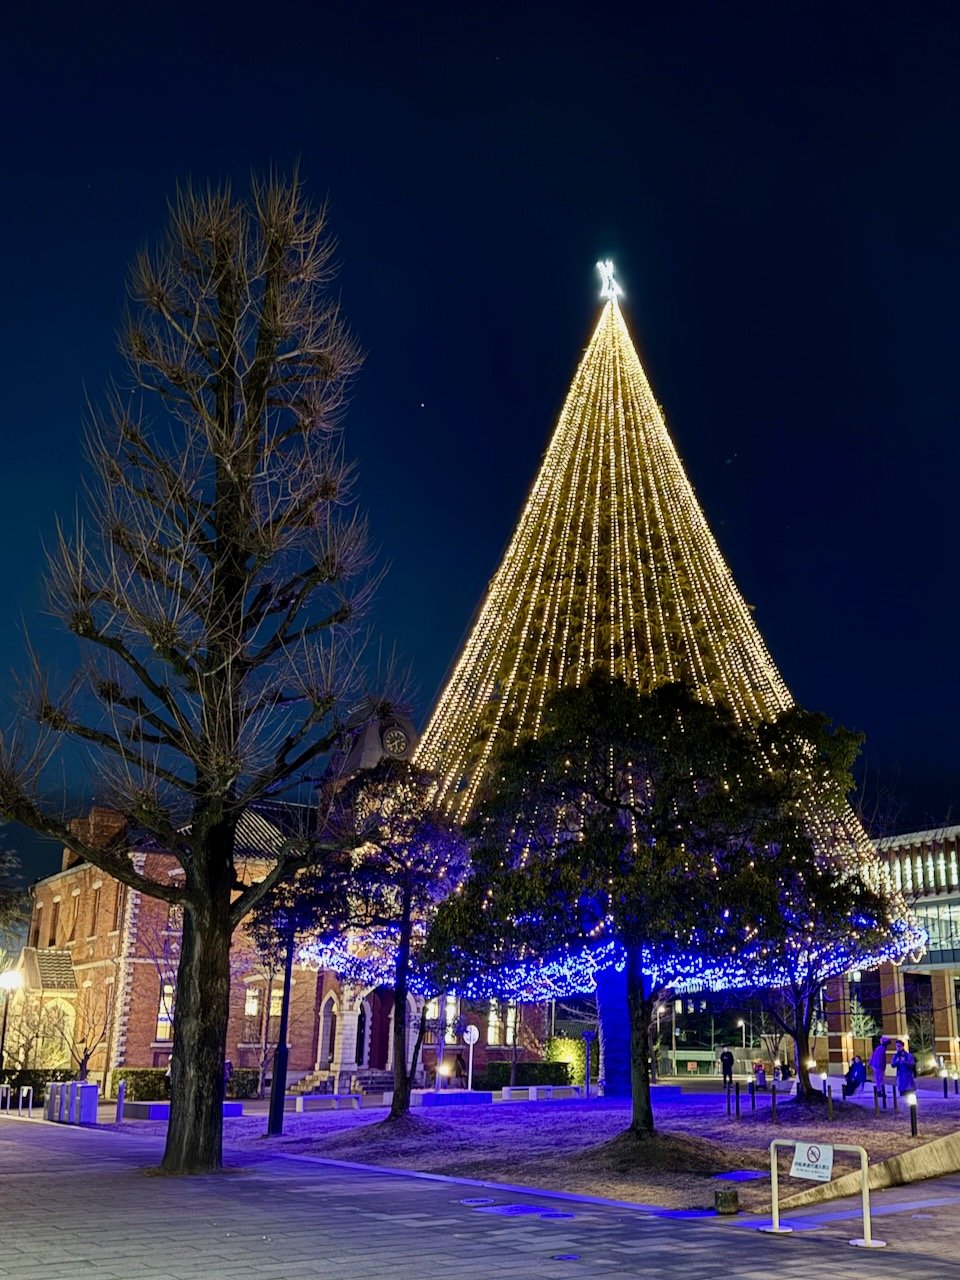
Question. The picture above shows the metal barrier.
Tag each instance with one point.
(866, 1241)
(25, 1091)
(6, 1091)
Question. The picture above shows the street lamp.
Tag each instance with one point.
(10, 980)
(743, 1033)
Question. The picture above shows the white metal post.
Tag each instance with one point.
(866, 1241)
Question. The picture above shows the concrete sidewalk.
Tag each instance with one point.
(81, 1204)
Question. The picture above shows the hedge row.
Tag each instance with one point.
(150, 1084)
(37, 1079)
(497, 1074)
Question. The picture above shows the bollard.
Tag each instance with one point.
(121, 1094)
(956, 1084)
(736, 1095)
(893, 1097)
(773, 1102)
(753, 1095)
(728, 1100)
(25, 1091)
(883, 1097)
(829, 1101)
(876, 1101)
(913, 1117)
(946, 1087)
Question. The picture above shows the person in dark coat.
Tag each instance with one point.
(905, 1065)
(726, 1066)
(856, 1077)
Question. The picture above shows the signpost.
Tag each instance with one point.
(814, 1161)
(471, 1035)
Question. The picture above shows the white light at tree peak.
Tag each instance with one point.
(609, 287)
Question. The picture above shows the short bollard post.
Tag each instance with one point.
(883, 1096)
(753, 1095)
(946, 1086)
(956, 1084)
(773, 1102)
(728, 1100)
(823, 1086)
(121, 1094)
(893, 1097)
(829, 1101)
(911, 1100)
(736, 1096)
(876, 1101)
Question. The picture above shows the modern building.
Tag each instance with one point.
(918, 1000)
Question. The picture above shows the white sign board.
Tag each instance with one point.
(471, 1034)
(812, 1160)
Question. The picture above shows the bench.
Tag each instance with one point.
(328, 1102)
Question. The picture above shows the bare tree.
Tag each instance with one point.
(215, 585)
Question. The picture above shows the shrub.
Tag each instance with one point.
(497, 1074)
(37, 1079)
(244, 1083)
(144, 1084)
(572, 1051)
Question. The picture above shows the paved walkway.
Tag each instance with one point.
(81, 1205)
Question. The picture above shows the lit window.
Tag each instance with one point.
(511, 1027)
(251, 1004)
(494, 1026)
(276, 1002)
(165, 1013)
(501, 1023)
(451, 1012)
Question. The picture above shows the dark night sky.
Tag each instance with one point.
(778, 186)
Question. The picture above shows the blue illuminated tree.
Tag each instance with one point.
(409, 856)
(629, 820)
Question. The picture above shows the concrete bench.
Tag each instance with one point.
(456, 1098)
(161, 1110)
(328, 1102)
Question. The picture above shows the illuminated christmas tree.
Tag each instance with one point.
(612, 564)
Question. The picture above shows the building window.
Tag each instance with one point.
(74, 916)
(451, 1012)
(501, 1023)
(36, 925)
(54, 922)
(165, 1012)
(251, 1015)
(94, 913)
(119, 903)
(174, 918)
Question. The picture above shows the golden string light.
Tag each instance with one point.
(612, 563)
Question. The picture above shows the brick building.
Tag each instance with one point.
(99, 980)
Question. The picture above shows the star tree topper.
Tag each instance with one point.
(609, 287)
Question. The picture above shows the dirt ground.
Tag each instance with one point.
(581, 1146)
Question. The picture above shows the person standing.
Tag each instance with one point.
(905, 1065)
(726, 1066)
(878, 1065)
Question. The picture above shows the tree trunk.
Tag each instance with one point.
(640, 1007)
(265, 1034)
(402, 1074)
(802, 1017)
(195, 1131)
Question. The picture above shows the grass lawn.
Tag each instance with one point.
(581, 1146)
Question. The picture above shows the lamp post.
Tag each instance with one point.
(10, 980)
(743, 1033)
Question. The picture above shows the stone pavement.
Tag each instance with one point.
(80, 1204)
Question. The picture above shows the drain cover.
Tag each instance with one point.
(517, 1210)
(565, 1257)
(475, 1200)
(555, 1213)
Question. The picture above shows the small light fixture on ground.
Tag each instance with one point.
(910, 1099)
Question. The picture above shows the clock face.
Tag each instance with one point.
(395, 741)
